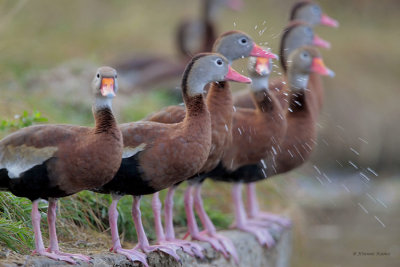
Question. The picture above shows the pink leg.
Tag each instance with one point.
(169, 239)
(192, 224)
(39, 246)
(131, 254)
(143, 242)
(210, 230)
(53, 248)
(241, 223)
(256, 214)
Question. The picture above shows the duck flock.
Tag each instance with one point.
(240, 139)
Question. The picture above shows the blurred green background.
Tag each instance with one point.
(343, 201)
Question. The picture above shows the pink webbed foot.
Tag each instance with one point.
(226, 243)
(266, 224)
(54, 256)
(188, 247)
(263, 236)
(214, 242)
(285, 222)
(132, 255)
(164, 248)
(75, 256)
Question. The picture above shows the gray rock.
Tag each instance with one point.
(251, 254)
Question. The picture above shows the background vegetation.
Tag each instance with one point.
(50, 49)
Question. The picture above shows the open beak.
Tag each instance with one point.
(319, 67)
(235, 5)
(318, 41)
(107, 87)
(259, 52)
(328, 21)
(262, 66)
(235, 76)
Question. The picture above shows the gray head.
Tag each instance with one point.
(312, 14)
(304, 61)
(235, 44)
(205, 68)
(105, 84)
(295, 35)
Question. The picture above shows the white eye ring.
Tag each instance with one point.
(219, 62)
(243, 41)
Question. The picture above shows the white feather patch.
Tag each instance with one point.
(130, 151)
(22, 158)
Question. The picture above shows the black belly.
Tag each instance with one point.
(34, 183)
(128, 180)
(245, 174)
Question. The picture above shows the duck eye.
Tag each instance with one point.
(219, 62)
(243, 41)
(98, 75)
(305, 55)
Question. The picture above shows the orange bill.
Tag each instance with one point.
(107, 87)
(319, 67)
(262, 66)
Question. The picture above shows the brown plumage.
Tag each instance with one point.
(255, 131)
(52, 161)
(74, 158)
(219, 103)
(300, 138)
(219, 98)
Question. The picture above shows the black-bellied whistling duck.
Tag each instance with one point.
(233, 45)
(53, 161)
(158, 155)
(311, 13)
(297, 145)
(255, 133)
(195, 36)
(295, 35)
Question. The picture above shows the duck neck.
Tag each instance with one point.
(104, 118)
(193, 98)
(210, 10)
(219, 101)
(298, 81)
(298, 86)
(259, 83)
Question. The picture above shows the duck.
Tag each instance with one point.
(297, 144)
(294, 35)
(195, 36)
(311, 13)
(233, 45)
(192, 37)
(158, 155)
(57, 160)
(256, 133)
